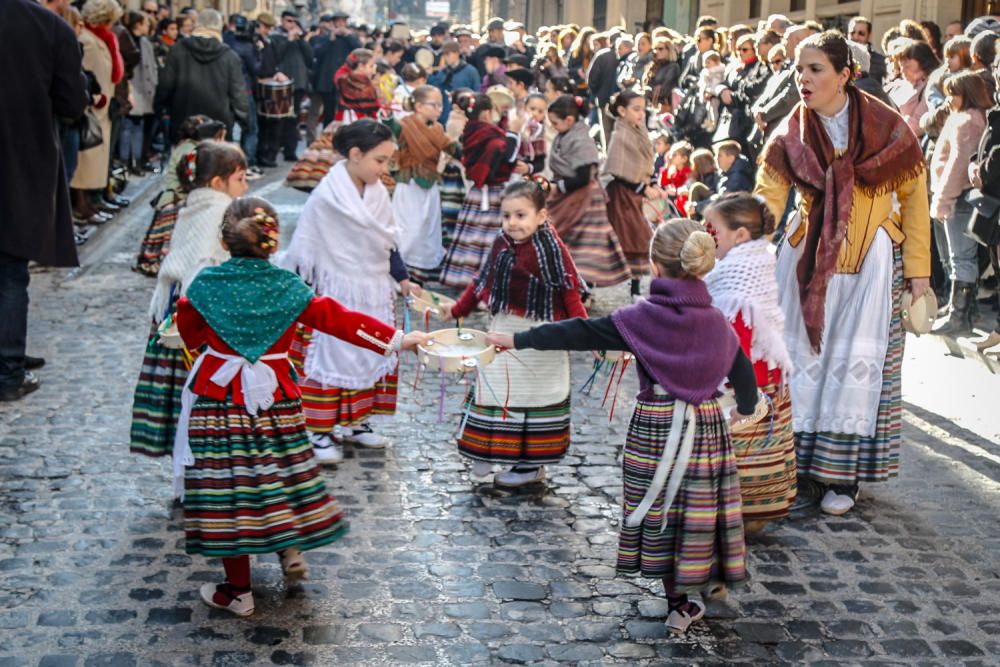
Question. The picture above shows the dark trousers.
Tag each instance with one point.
(268, 137)
(14, 323)
(290, 128)
(329, 106)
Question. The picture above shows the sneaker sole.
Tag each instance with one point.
(836, 512)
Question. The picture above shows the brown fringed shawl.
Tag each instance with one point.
(630, 153)
(882, 154)
(421, 144)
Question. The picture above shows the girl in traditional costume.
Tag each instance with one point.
(211, 175)
(630, 164)
(489, 154)
(452, 172)
(841, 270)
(251, 484)
(358, 97)
(344, 246)
(578, 204)
(743, 286)
(416, 200)
(528, 278)
(170, 200)
(681, 513)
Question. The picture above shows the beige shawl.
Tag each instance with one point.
(630, 153)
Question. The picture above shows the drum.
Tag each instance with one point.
(456, 350)
(275, 99)
(654, 210)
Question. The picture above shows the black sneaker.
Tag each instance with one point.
(33, 363)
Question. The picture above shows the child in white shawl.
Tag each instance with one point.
(344, 246)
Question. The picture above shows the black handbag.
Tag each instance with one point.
(91, 133)
(984, 225)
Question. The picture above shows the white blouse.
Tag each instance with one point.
(837, 126)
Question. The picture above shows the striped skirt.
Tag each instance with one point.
(254, 487)
(631, 226)
(474, 236)
(581, 220)
(452, 196)
(327, 407)
(156, 404)
(528, 435)
(703, 536)
(765, 456)
(838, 458)
(156, 242)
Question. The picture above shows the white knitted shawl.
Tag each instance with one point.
(196, 242)
(744, 283)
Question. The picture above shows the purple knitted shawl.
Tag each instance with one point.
(683, 343)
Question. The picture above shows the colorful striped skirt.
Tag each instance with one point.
(703, 536)
(474, 236)
(156, 242)
(156, 404)
(633, 230)
(327, 407)
(838, 458)
(452, 197)
(254, 487)
(528, 435)
(581, 220)
(765, 455)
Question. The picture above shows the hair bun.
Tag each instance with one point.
(698, 253)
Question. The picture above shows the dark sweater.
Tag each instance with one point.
(602, 334)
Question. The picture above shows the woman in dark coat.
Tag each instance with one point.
(985, 175)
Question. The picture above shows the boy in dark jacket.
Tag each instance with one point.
(737, 172)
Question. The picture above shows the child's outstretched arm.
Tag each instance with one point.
(328, 316)
(574, 334)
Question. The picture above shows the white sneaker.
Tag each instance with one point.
(366, 437)
(240, 606)
(513, 478)
(679, 621)
(836, 503)
(326, 450)
(481, 468)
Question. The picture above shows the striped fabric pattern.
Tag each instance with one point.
(837, 458)
(528, 435)
(767, 462)
(156, 242)
(474, 235)
(156, 404)
(703, 539)
(591, 241)
(326, 407)
(254, 487)
(452, 195)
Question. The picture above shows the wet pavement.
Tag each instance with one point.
(440, 570)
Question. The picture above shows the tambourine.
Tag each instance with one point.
(728, 403)
(424, 57)
(456, 350)
(438, 304)
(918, 315)
(654, 210)
(168, 336)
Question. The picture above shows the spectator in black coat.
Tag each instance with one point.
(494, 38)
(37, 223)
(240, 39)
(203, 76)
(984, 172)
(330, 51)
(295, 60)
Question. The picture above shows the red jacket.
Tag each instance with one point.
(323, 314)
(760, 370)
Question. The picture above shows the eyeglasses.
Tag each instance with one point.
(746, 49)
(778, 62)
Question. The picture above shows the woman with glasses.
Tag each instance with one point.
(662, 76)
(744, 85)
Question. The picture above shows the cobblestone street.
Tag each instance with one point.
(439, 571)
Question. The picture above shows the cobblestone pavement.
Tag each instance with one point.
(438, 570)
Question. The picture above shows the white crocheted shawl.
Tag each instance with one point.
(743, 283)
(196, 243)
